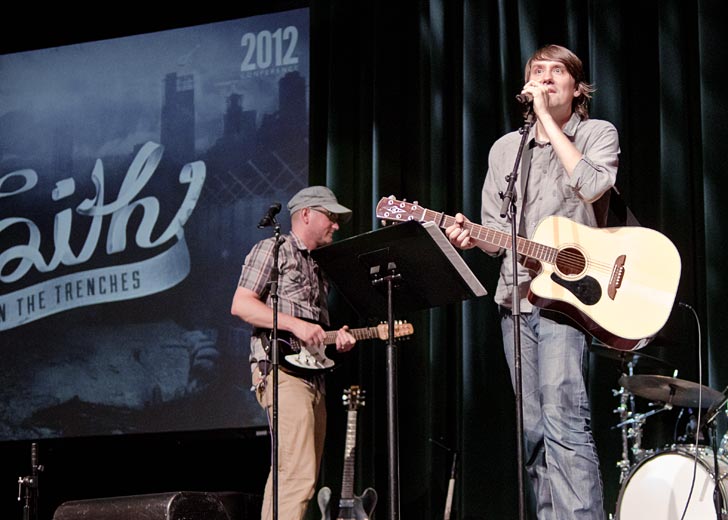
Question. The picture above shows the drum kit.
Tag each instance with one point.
(686, 480)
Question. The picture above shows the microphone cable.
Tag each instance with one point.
(700, 408)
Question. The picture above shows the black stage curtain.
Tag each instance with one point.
(406, 99)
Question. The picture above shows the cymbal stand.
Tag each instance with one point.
(711, 422)
(717, 477)
(723, 449)
(624, 463)
(625, 411)
(635, 432)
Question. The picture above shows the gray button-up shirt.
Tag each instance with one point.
(550, 190)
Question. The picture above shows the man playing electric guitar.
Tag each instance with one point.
(573, 162)
(302, 292)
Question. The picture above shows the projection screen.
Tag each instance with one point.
(133, 173)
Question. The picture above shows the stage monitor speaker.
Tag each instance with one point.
(180, 505)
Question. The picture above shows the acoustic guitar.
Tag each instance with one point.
(618, 284)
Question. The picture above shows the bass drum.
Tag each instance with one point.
(659, 486)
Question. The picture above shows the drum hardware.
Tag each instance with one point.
(716, 407)
(677, 392)
(638, 420)
(710, 420)
(631, 423)
(630, 359)
(664, 490)
(624, 463)
(659, 485)
(625, 410)
(723, 448)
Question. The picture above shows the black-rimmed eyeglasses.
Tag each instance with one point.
(333, 217)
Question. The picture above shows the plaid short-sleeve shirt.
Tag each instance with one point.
(302, 286)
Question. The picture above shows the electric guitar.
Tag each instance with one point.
(351, 507)
(618, 284)
(297, 358)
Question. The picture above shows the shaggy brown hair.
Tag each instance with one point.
(573, 64)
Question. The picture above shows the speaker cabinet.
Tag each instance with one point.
(180, 505)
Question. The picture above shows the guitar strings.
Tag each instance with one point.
(566, 258)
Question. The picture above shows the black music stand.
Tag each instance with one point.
(410, 267)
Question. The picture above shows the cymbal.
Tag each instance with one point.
(670, 390)
(639, 359)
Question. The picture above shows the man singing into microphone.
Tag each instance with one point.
(303, 312)
(573, 162)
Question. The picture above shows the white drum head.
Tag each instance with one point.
(660, 485)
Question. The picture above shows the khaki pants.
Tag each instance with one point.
(301, 434)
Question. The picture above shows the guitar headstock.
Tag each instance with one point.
(401, 329)
(389, 208)
(353, 397)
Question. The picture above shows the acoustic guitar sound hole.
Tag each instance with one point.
(570, 262)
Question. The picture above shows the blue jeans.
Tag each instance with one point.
(560, 454)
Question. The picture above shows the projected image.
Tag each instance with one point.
(133, 173)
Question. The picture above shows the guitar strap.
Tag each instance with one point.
(614, 210)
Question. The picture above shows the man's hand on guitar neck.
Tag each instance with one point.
(344, 340)
(460, 237)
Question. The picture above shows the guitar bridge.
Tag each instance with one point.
(615, 282)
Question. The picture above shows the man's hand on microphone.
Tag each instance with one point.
(538, 94)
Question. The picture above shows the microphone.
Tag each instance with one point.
(524, 99)
(714, 411)
(269, 216)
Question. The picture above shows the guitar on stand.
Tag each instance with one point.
(351, 507)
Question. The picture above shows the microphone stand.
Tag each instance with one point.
(717, 495)
(451, 487)
(28, 486)
(711, 416)
(274, 361)
(451, 482)
(508, 207)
